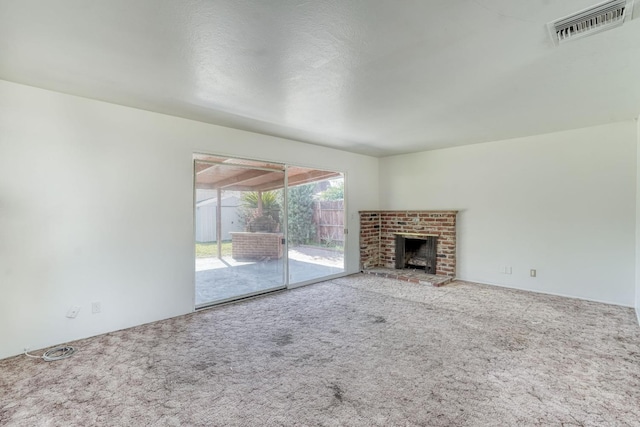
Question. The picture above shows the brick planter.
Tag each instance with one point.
(378, 230)
(247, 246)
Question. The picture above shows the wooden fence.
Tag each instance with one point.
(328, 215)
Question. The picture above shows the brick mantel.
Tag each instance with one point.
(379, 228)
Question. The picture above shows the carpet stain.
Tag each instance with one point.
(623, 339)
(379, 319)
(512, 343)
(277, 354)
(337, 392)
(283, 339)
(202, 366)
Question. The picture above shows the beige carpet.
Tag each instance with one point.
(358, 351)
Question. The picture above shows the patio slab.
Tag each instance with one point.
(222, 279)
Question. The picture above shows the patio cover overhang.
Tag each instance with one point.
(223, 173)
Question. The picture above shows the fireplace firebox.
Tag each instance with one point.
(417, 252)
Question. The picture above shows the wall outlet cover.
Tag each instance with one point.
(73, 312)
(96, 307)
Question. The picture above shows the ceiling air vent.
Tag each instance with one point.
(601, 17)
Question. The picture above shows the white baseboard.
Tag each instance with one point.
(535, 291)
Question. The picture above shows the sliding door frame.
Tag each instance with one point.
(345, 243)
(281, 286)
(285, 222)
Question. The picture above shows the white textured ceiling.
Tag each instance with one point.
(371, 76)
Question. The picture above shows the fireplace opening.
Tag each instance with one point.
(416, 252)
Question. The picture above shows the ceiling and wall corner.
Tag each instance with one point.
(374, 77)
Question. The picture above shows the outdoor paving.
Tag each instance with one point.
(222, 279)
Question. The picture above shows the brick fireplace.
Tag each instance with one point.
(379, 231)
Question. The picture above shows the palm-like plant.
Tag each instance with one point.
(270, 201)
(251, 214)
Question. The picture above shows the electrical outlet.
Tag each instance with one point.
(96, 307)
(73, 312)
(532, 273)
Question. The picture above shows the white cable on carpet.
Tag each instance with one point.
(53, 354)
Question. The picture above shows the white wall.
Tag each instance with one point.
(77, 178)
(637, 302)
(562, 203)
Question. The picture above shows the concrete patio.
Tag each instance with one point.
(222, 279)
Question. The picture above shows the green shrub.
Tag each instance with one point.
(301, 226)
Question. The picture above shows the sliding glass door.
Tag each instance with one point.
(263, 226)
(239, 229)
(315, 218)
